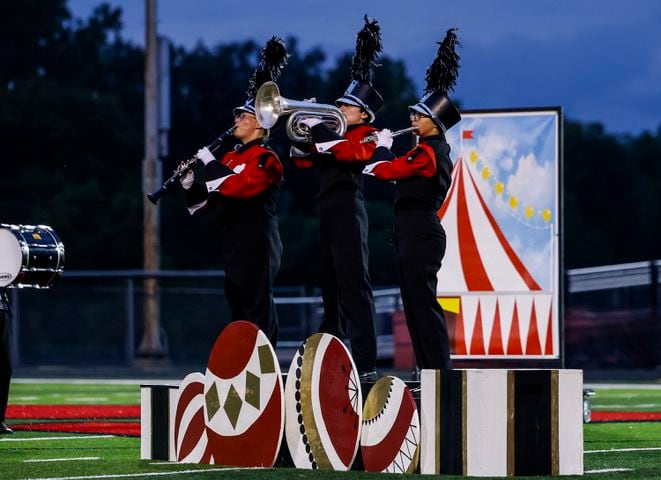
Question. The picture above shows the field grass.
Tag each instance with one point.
(632, 450)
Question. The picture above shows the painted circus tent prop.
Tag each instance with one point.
(499, 283)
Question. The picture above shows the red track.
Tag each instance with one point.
(95, 414)
(73, 411)
(603, 416)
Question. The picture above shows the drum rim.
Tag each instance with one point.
(18, 233)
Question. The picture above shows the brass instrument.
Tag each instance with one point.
(373, 138)
(186, 165)
(270, 105)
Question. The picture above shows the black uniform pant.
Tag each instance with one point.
(345, 281)
(420, 243)
(252, 256)
(5, 361)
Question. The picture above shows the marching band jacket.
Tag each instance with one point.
(422, 175)
(340, 159)
(244, 184)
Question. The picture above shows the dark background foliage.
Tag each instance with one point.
(71, 132)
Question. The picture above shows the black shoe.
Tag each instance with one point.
(366, 377)
(4, 428)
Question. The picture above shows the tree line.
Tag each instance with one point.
(71, 131)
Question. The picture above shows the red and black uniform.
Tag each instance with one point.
(343, 228)
(422, 179)
(244, 186)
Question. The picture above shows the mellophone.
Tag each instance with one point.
(30, 256)
(270, 105)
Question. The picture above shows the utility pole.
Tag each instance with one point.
(151, 345)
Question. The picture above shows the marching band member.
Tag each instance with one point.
(5, 359)
(422, 179)
(244, 186)
(345, 280)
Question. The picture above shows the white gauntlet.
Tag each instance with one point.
(187, 180)
(205, 155)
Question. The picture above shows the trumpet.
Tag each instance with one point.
(270, 105)
(373, 138)
(186, 165)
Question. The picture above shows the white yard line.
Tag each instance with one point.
(146, 474)
(60, 459)
(610, 470)
(625, 450)
(624, 386)
(37, 439)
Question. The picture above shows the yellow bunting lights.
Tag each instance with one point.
(546, 215)
(473, 156)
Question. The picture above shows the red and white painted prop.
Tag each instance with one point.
(323, 405)
(190, 436)
(472, 422)
(242, 403)
(390, 439)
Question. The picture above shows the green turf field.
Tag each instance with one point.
(612, 450)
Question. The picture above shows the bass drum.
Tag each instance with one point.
(30, 256)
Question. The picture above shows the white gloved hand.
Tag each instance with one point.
(384, 138)
(187, 180)
(311, 121)
(310, 100)
(205, 155)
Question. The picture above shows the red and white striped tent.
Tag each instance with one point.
(495, 308)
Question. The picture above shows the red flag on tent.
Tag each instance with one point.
(467, 134)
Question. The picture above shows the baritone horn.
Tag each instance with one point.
(270, 105)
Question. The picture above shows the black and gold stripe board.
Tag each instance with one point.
(501, 422)
(156, 403)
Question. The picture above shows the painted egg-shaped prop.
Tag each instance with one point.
(390, 437)
(190, 436)
(243, 398)
(323, 405)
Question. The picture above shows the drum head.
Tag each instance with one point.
(390, 438)
(11, 257)
(323, 405)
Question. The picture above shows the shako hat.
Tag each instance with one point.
(273, 59)
(441, 77)
(360, 91)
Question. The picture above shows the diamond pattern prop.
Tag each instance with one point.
(233, 405)
(265, 359)
(252, 390)
(213, 403)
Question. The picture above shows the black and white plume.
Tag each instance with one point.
(442, 74)
(273, 59)
(368, 47)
